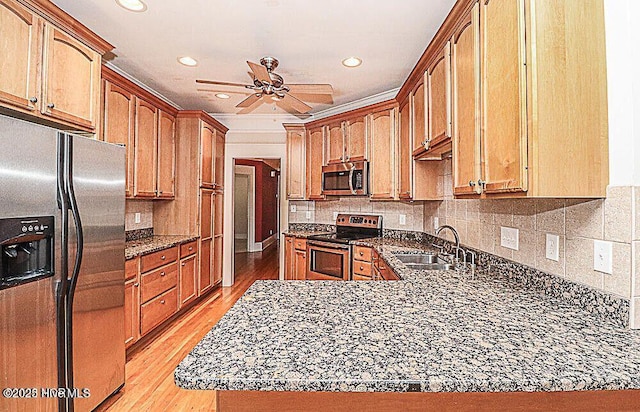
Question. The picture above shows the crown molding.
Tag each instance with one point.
(356, 104)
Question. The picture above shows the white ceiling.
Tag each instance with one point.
(310, 38)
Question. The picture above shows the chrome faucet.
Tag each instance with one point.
(455, 236)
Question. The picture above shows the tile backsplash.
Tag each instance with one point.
(145, 208)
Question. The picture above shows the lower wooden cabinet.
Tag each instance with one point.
(131, 302)
(188, 279)
(158, 309)
(295, 259)
(205, 266)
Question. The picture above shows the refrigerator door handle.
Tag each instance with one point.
(73, 280)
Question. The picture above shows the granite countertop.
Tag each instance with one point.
(437, 331)
(154, 243)
(304, 234)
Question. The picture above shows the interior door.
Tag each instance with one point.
(504, 117)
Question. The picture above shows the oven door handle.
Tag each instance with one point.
(329, 245)
(353, 168)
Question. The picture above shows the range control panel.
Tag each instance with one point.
(365, 221)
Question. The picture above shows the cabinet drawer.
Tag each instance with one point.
(158, 310)
(157, 259)
(362, 268)
(362, 253)
(358, 277)
(187, 249)
(131, 268)
(158, 281)
(300, 244)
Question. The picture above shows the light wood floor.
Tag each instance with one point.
(149, 372)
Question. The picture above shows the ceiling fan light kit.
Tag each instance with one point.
(268, 83)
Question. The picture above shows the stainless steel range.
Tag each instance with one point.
(330, 254)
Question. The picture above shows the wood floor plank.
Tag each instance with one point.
(149, 384)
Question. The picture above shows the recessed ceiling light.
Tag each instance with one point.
(352, 62)
(132, 5)
(222, 96)
(188, 61)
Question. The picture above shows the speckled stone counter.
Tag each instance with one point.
(151, 244)
(304, 233)
(438, 331)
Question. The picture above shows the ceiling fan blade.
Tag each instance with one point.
(260, 72)
(220, 83)
(248, 101)
(295, 103)
(310, 88)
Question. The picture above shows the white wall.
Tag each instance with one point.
(623, 56)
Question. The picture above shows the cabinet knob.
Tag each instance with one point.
(33, 100)
(361, 268)
(163, 257)
(136, 284)
(162, 302)
(481, 182)
(361, 254)
(162, 273)
(51, 105)
(472, 183)
(183, 264)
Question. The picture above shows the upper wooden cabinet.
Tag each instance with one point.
(117, 126)
(404, 159)
(382, 132)
(296, 161)
(465, 68)
(438, 79)
(315, 160)
(334, 142)
(21, 34)
(134, 118)
(418, 119)
(218, 181)
(355, 139)
(50, 75)
(166, 155)
(207, 157)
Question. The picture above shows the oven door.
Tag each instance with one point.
(328, 261)
(345, 179)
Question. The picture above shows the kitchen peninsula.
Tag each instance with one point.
(477, 343)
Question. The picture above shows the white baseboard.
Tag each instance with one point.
(269, 241)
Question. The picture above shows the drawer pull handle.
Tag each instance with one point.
(33, 100)
(361, 268)
(183, 264)
(163, 257)
(162, 301)
(162, 273)
(51, 105)
(190, 248)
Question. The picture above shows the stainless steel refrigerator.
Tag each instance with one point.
(61, 269)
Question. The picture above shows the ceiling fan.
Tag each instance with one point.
(267, 84)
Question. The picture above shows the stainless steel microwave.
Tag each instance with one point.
(346, 179)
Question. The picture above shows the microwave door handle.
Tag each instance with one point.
(353, 168)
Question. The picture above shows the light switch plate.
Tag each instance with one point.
(436, 223)
(403, 219)
(603, 256)
(553, 247)
(293, 208)
(509, 237)
(136, 218)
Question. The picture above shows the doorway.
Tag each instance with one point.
(243, 208)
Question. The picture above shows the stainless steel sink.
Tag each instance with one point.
(431, 266)
(419, 259)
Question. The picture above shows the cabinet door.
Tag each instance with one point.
(288, 258)
(117, 127)
(504, 122)
(418, 119)
(219, 162)
(217, 260)
(71, 76)
(335, 143)
(356, 139)
(438, 78)
(404, 148)
(315, 160)
(295, 164)
(131, 311)
(20, 48)
(382, 125)
(207, 146)
(218, 214)
(466, 104)
(188, 280)
(146, 132)
(166, 155)
(205, 266)
(300, 265)
(206, 213)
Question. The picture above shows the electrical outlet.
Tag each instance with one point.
(603, 256)
(308, 214)
(403, 219)
(509, 237)
(436, 223)
(293, 208)
(553, 247)
(271, 231)
(335, 215)
(136, 218)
